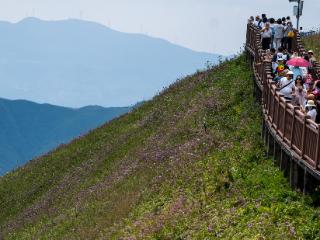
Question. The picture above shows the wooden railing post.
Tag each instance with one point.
(293, 124)
(317, 148)
(278, 110)
(304, 134)
(284, 120)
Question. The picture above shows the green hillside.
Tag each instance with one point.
(187, 165)
(313, 42)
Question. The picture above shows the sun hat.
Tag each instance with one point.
(290, 73)
(310, 103)
(285, 72)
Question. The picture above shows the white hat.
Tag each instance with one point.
(310, 103)
(290, 73)
(280, 59)
(310, 51)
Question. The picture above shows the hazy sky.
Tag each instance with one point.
(203, 25)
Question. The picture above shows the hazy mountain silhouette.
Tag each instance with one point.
(28, 129)
(77, 63)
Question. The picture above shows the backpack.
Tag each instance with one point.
(291, 34)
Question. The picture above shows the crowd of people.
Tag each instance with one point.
(291, 72)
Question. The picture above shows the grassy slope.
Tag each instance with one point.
(157, 174)
(313, 42)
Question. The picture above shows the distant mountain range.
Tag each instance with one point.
(28, 129)
(77, 63)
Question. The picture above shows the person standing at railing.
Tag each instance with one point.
(270, 55)
(311, 56)
(251, 20)
(257, 21)
(266, 34)
(310, 110)
(278, 34)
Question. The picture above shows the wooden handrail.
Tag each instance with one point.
(301, 127)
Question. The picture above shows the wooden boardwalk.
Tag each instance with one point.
(291, 137)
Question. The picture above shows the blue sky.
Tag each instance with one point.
(203, 25)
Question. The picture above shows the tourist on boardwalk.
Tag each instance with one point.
(282, 54)
(308, 83)
(278, 33)
(270, 55)
(311, 56)
(288, 19)
(251, 20)
(316, 90)
(262, 21)
(288, 36)
(284, 21)
(266, 34)
(286, 85)
(310, 110)
(300, 93)
(280, 75)
(257, 21)
(272, 22)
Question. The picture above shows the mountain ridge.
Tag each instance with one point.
(28, 129)
(75, 63)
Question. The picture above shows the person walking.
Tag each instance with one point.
(272, 22)
(287, 85)
(266, 34)
(299, 94)
(288, 36)
(261, 22)
(278, 34)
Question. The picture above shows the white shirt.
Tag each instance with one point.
(266, 33)
(312, 114)
(278, 31)
(286, 91)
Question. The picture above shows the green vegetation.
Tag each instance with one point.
(187, 165)
(313, 42)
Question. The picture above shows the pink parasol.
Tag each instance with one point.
(298, 62)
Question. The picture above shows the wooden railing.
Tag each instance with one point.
(296, 130)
